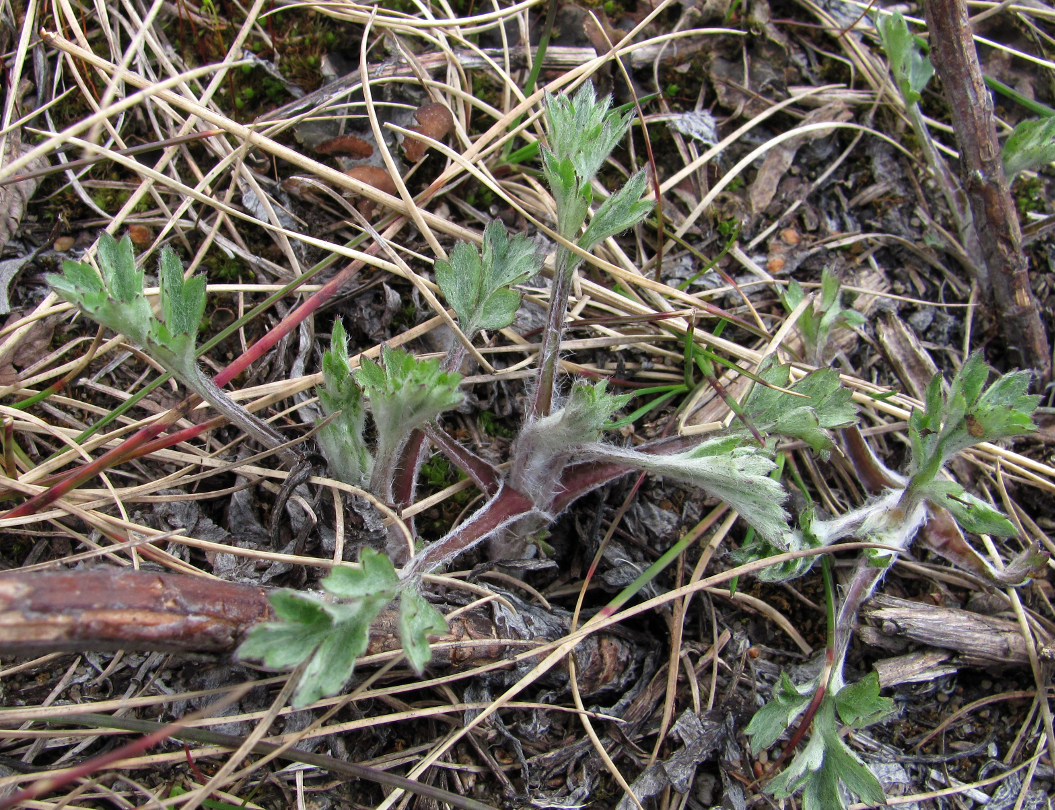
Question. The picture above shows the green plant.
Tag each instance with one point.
(559, 454)
(817, 322)
(117, 300)
(326, 635)
(952, 421)
(1030, 146)
(911, 69)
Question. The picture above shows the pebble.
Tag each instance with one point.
(63, 243)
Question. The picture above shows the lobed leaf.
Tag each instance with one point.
(777, 715)
(417, 620)
(822, 765)
(967, 415)
(860, 705)
(334, 661)
(405, 393)
(478, 288)
(620, 211)
(817, 403)
(910, 67)
(302, 627)
(182, 300)
(375, 578)
(341, 439)
(116, 300)
(118, 264)
(737, 474)
(583, 129)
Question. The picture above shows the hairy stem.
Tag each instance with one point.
(549, 349)
(504, 508)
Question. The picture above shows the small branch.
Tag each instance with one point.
(996, 219)
(109, 608)
(113, 609)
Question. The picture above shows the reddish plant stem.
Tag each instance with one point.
(502, 510)
(291, 321)
(1015, 309)
(129, 448)
(90, 767)
(118, 455)
(338, 767)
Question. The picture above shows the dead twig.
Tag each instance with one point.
(101, 609)
(996, 219)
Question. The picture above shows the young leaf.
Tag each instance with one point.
(571, 194)
(334, 661)
(820, 403)
(793, 295)
(816, 323)
(302, 626)
(860, 704)
(776, 717)
(972, 513)
(115, 301)
(738, 475)
(405, 393)
(375, 578)
(584, 130)
(182, 301)
(479, 289)
(588, 407)
(620, 211)
(417, 620)
(341, 439)
(966, 416)
(822, 765)
(911, 68)
(759, 548)
(1030, 147)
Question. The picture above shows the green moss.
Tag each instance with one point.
(1030, 195)
(729, 228)
(222, 269)
(480, 197)
(492, 427)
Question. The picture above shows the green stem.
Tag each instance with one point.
(540, 52)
